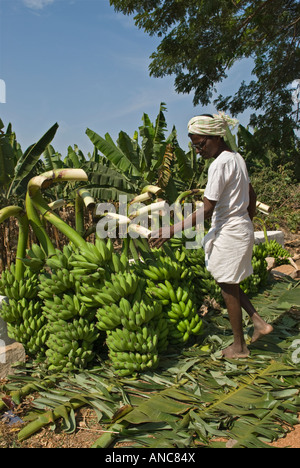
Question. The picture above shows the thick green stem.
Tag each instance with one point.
(79, 215)
(188, 193)
(22, 246)
(180, 198)
(83, 199)
(17, 212)
(109, 437)
(47, 418)
(263, 227)
(43, 181)
(38, 227)
(42, 206)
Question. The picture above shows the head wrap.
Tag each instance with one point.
(203, 125)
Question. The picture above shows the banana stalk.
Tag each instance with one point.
(265, 209)
(43, 181)
(17, 212)
(56, 205)
(108, 437)
(120, 218)
(38, 227)
(41, 205)
(117, 427)
(83, 199)
(143, 197)
(140, 230)
(152, 189)
(261, 222)
(153, 208)
(48, 418)
(180, 198)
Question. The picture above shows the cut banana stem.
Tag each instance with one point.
(140, 230)
(47, 179)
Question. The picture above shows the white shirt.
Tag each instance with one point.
(228, 185)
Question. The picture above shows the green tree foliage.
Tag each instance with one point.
(202, 40)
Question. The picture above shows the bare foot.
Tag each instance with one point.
(236, 352)
(261, 328)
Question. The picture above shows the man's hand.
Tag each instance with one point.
(158, 238)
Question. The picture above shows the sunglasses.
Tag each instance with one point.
(201, 145)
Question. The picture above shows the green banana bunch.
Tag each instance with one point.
(61, 260)
(143, 341)
(13, 289)
(164, 268)
(138, 314)
(121, 285)
(128, 363)
(163, 291)
(55, 283)
(92, 256)
(36, 345)
(64, 307)
(16, 311)
(119, 263)
(37, 258)
(259, 278)
(108, 317)
(70, 344)
(161, 325)
(77, 358)
(32, 340)
(27, 326)
(77, 330)
(180, 307)
(274, 249)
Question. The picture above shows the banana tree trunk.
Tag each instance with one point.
(21, 216)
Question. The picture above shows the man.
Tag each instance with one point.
(230, 201)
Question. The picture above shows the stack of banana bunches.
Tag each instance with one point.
(72, 306)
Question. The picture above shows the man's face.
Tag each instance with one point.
(206, 146)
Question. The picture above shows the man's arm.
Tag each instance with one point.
(164, 234)
(252, 202)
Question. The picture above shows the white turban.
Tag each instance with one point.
(203, 125)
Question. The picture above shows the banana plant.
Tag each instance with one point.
(16, 167)
(148, 158)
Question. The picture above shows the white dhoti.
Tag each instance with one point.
(228, 252)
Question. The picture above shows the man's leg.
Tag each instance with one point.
(261, 328)
(231, 295)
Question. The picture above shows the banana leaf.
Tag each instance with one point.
(124, 159)
(6, 159)
(24, 169)
(107, 183)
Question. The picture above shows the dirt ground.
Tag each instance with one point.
(292, 440)
(88, 431)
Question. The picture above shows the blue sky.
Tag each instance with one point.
(82, 65)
